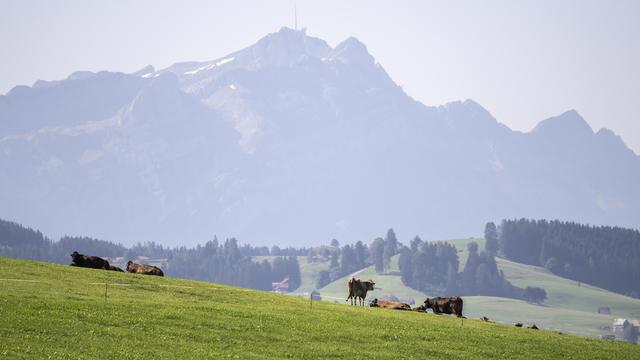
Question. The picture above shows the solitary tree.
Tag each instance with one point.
(377, 251)
(534, 294)
(390, 248)
(491, 238)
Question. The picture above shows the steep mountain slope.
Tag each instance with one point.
(290, 141)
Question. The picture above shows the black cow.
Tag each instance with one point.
(445, 305)
(93, 262)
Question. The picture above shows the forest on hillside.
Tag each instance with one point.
(604, 256)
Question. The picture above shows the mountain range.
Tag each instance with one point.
(291, 141)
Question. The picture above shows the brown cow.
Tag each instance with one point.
(115, 268)
(93, 262)
(442, 305)
(389, 304)
(143, 269)
(420, 308)
(358, 290)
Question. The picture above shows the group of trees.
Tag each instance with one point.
(225, 263)
(429, 267)
(351, 258)
(482, 277)
(17, 241)
(604, 256)
(434, 268)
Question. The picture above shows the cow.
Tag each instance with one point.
(420, 308)
(93, 262)
(358, 290)
(395, 305)
(115, 268)
(486, 319)
(532, 327)
(445, 305)
(143, 269)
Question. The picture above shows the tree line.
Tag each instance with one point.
(225, 263)
(604, 256)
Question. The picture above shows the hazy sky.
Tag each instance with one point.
(522, 60)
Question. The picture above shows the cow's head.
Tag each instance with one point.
(427, 304)
(129, 265)
(75, 255)
(370, 284)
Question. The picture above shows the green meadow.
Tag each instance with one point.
(56, 311)
(570, 306)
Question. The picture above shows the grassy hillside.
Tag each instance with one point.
(58, 311)
(386, 285)
(562, 292)
(570, 307)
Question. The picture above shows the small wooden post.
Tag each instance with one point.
(105, 291)
(311, 300)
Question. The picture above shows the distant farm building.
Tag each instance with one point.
(280, 287)
(604, 310)
(626, 330)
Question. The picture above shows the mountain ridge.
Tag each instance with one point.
(291, 141)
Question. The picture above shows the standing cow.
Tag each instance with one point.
(445, 305)
(358, 290)
(143, 269)
(93, 262)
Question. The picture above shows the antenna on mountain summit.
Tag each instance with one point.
(295, 17)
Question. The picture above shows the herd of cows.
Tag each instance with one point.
(440, 305)
(357, 289)
(95, 262)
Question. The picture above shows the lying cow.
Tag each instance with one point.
(93, 262)
(389, 305)
(358, 290)
(143, 269)
(115, 268)
(445, 305)
(486, 319)
(420, 308)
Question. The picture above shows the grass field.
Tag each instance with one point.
(386, 285)
(570, 307)
(58, 311)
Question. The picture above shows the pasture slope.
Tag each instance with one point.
(570, 306)
(59, 311)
